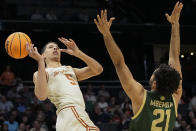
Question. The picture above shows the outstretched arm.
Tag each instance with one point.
(39, 77)
(93, 68)
(174, 52)
(132, 88)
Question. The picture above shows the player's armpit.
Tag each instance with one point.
(133, 89)
(35, 77)
(83, 73)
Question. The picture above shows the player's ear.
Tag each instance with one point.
(154, 84)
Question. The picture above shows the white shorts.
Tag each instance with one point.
(72, 118)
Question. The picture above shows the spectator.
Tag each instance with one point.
(37, 126)
(178, 123)
(90, 96)
(100, 116)
(7, 78)
(103, 92)
(184, 126)
(41, 119)
(21, 107)
(126, 105)
(102, 103)
(25, 120)
(12, 94)
(89, 105)
(37, 15)
(5, 127)
(22, 127)
(51, 15)
(5, 105)
(193, 125)
(192, 104)
(12, 124)
(83, 16)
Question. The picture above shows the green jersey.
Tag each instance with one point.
(157, 113)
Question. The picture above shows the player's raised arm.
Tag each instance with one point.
(93, 68)
(132, 88)
(39, 77)
(174, 52)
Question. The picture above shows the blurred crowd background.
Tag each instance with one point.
(141, 31)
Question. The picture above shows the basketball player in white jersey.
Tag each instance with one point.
(59, 84)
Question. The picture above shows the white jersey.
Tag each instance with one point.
(63, 88)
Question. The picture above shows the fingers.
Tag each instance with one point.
(68, 51)
(28, 48)
(31, 50)
(95, 21)
(111, 20)
(63, 50)
(72, 41)
(99, 20)
(68, 43)
(105, 15)
(181, 6)
(35, 49)
(178, 6)
(167, 15)
(63, 40)
(102, 15)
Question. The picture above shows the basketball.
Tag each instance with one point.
(15, 45)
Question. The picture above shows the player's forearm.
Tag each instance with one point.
(175, 42)
(41, 83)
(91, 63)
(113, 49)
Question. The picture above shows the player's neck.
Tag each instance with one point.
(53, 64)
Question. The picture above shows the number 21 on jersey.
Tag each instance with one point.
(162, 115)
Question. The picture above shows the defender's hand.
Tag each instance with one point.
(174, 17)
(72, 48)
(102, 23)
(33, 53)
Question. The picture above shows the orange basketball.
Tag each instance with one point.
(15, 45)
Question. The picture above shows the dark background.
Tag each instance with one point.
(138, 26)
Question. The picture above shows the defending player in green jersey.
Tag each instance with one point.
(154, 110)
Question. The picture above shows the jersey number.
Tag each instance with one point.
(160, 112)
(69, 77)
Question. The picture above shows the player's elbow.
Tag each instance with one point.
(41, 98)
(99, 70)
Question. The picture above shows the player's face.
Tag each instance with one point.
(52, 51)
(152, 82)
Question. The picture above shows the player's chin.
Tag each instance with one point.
(56, 57)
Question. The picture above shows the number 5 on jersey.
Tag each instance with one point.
(69, 77)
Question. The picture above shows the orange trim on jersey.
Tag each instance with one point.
(78, 118)
(88, 128)
(64, 108)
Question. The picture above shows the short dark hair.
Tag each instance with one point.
(167, 79)
(44, 47)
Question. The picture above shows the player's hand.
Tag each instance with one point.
(102, 23)
(174, 17)
(33, 53)
(72, 48)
